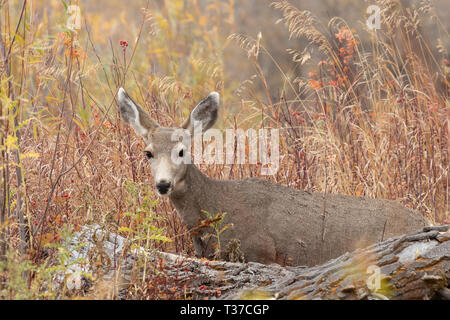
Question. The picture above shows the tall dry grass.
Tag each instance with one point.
(370, 117)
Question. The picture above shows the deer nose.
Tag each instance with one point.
(163, 187)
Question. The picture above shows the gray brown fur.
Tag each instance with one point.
(273, 223)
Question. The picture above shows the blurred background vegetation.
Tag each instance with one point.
(360, 112)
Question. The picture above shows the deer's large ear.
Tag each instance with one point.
(204, 114)
(135, 115)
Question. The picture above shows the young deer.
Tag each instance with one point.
(272, 222)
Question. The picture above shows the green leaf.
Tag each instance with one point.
(64, 4)
(159, 237)
(225, 228)
(125, 229)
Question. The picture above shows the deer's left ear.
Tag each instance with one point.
(135, 115)
(204, 114)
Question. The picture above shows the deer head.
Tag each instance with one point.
(168, 148)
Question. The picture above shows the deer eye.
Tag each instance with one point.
(181, 153)
(148, 154)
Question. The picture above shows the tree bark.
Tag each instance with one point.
(415, 266)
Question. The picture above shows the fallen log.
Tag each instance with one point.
(414, 266)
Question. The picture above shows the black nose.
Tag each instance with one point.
(163, 187)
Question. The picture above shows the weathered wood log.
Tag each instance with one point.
(415, 266)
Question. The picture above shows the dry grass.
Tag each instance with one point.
(369, 119)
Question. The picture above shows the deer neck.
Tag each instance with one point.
(194, 193)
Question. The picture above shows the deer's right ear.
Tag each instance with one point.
(135, 115)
